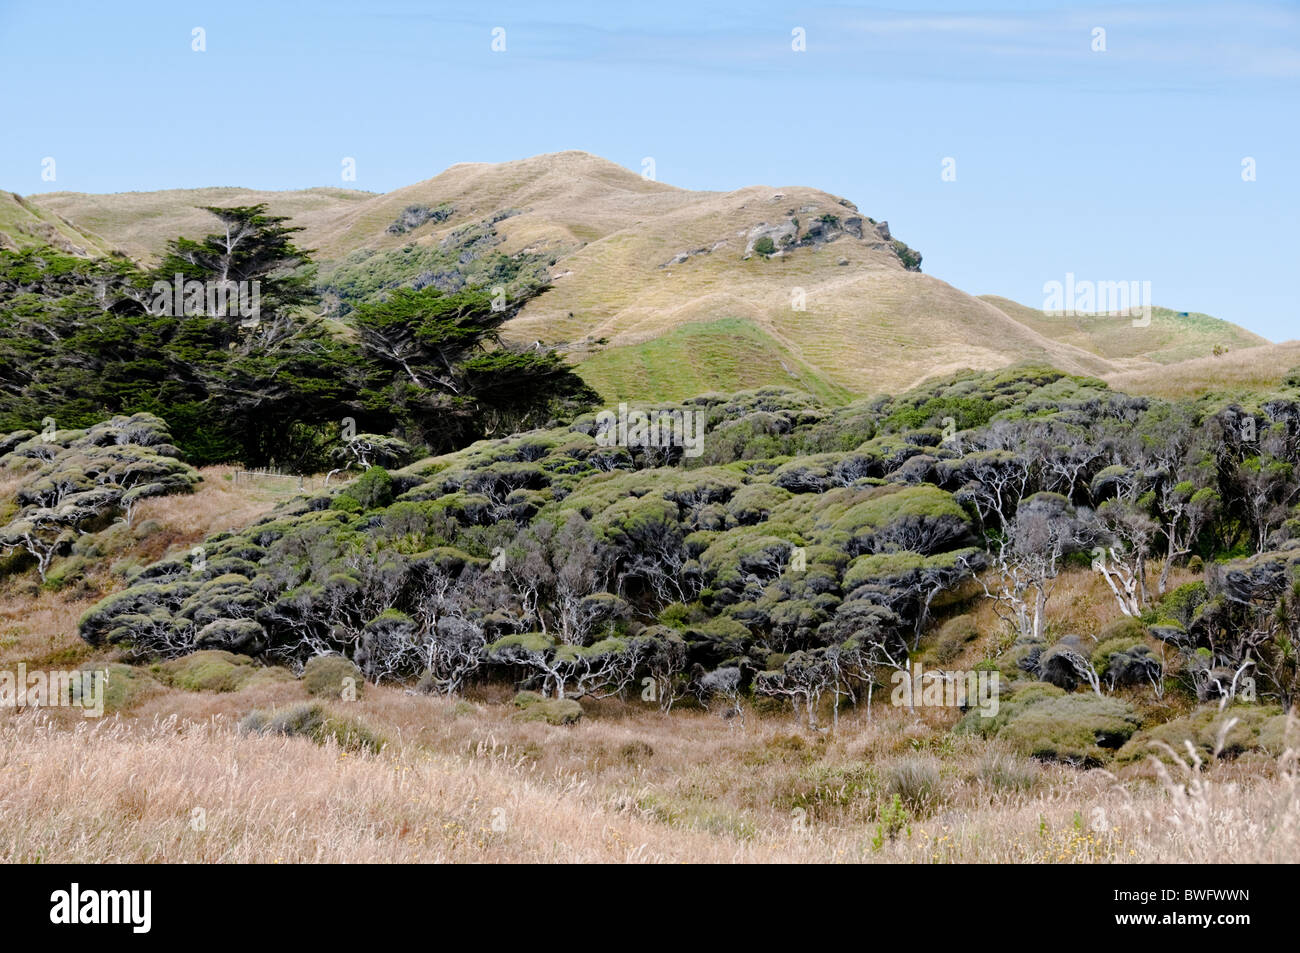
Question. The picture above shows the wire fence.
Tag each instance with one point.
(302, 481)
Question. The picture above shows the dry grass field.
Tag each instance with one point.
(462, 781)
(1249, 369)
(141, 223)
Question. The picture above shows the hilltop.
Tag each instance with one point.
(659, 292)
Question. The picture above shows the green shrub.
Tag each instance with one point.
(208, 671)
(953, 637)
(1012, 700)
(894, 820)
(553, 711)
(764, 246)
(327, 675)
(345, 504)
(370, 491)
(314, 721)
(66, 573)
(1081, 729)
(1179, 605)
(125, 687)
(1239, 728)
(675, 615)
(236, 635)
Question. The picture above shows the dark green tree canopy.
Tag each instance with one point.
(82, 339)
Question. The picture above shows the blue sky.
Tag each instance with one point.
(1117, 165)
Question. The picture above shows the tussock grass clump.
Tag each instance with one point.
(1004, 773)
(916, 780)
(834, 789)
(636, 752)
(314, 721)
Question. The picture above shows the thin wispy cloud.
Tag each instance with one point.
(1209, 42)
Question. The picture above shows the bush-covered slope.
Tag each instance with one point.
(73, 483)
(799, 555)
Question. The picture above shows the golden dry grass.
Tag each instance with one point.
(1167, 338)
(1237, 372)
(218, 504)
(466, 783)
(141, 223)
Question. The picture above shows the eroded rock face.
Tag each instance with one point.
(799, 230)
(807, 226)
(783, 235)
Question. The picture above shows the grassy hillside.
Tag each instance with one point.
(1172, 336)
(1237, 372)
(726, 355)
(838, 301)
(141, 223)
(24, 223)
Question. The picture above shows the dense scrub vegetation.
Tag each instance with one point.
(467, 257)
(74, 483)
(801, 556)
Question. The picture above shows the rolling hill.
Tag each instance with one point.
(1171, 337)
(660, 292)
(1256, 369)
(24, 223)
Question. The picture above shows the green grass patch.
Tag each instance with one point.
(727, 355)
